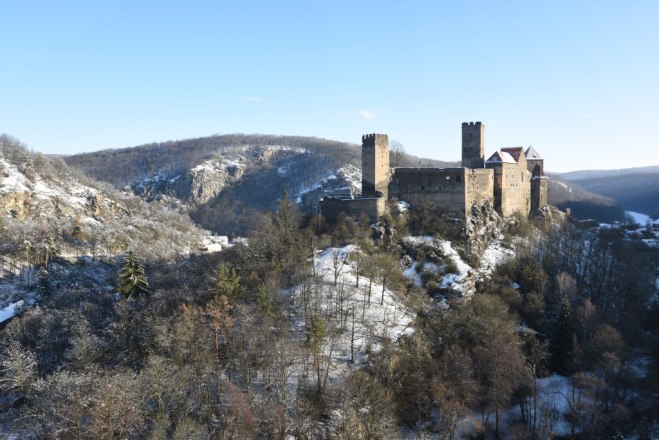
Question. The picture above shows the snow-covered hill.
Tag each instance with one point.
(48, 209)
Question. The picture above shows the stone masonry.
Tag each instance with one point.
(511, 179)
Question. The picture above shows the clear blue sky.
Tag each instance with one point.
(579, 80)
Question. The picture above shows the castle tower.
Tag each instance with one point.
(533, 158)
(375, 165)
(538, 189)
(473, 144)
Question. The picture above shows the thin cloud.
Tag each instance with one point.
(366, 115)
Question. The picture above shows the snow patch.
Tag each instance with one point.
(9, 311)
(638, 218)
(495, 254)
(214, 243)
(454, 280)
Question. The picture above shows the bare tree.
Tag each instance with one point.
(396, 153)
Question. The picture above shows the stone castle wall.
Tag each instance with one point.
(371, 207)
(479, 187)
(443, 187)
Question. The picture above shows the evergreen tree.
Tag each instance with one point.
(43, 282)
(133, 282)
(225, 282)
(562, 342)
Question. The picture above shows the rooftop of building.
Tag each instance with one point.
(501, 157)
(532, 154)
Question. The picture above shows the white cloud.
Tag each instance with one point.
(367, 115)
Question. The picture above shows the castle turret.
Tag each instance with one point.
(533, 158)
(473, 144)
(375, 165)
(538, 189)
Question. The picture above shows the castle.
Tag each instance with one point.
(512, 180)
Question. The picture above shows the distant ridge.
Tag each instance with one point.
(634, 189)
(591, 174)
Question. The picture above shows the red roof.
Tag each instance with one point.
(515, 152)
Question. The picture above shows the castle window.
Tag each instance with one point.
(448, 178)
(458, 178)
(422, 187)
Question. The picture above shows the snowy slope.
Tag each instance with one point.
(384, 317)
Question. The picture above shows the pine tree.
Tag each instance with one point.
(562, 339)
(226, 282)
(43, 282)
(133, 280)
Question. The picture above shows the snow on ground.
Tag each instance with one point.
(11, 179)
(218, 164)
(385, 317)
(353, 176)
(419, 239)
(412, 274)
(454, 280)
(554, 398)
(9, 311)
(495, 254)
(214, 243)
(638, 217)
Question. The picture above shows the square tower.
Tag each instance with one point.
(375, 165)
(473, 145)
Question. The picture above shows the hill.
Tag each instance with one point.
(222, 182)
(583, 204)
(592, 174)
(634, 191)
(47, 207)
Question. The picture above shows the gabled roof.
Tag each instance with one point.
(501, 157)
(532, 154)
(514, 152)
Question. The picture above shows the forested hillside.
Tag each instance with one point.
(583, 204)
(126, 166)
(412, 328)
(635, 192)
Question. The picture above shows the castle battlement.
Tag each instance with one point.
(373, 138)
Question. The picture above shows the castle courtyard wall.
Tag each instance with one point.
(443, 187)
(372, 207)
